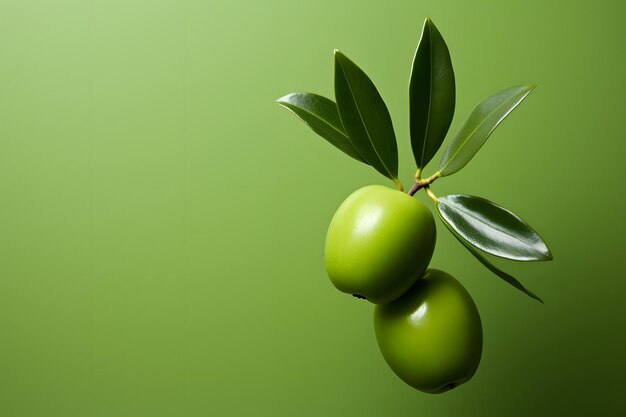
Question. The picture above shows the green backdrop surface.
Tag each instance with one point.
(162, 221)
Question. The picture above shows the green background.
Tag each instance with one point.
(162, 221)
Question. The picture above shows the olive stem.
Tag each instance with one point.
(416, 187)
(421, 183)
(430, 193)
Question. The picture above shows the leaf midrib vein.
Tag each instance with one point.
(480, 124)
(494, 269)
(322, 119)
(488, 225)
(363, 121)
(430, 95)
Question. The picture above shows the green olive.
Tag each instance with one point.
(431, 337)
(379, 243)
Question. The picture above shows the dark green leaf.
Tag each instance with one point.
(497, 271)
(321, 115)
(365, 117)
(431, 95)
(481, 123)
(492, 228)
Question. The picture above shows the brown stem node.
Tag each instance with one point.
(416, 187)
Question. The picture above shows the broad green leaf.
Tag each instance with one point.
(431, 95)
(365, 117)
(492, 228)
(321, 115)
(481, 123)
(497, 271)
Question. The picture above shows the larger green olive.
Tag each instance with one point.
(379, 243)
(431, 337)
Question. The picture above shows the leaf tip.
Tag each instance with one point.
(285, 100)
(425, 28)
(546, 253)
(535, 296)
(429, 23)
(529, 87)
(337, 56)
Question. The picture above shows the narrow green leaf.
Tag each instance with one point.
(480, 124)
(497, 271)
(431, 95)
(321, 115)
(365, 117)
(492, 228)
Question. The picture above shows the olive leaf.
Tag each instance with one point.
(487, 115)
(497, 271)
(492, 228)
(431, 95)
(365, 117)
(322, 116)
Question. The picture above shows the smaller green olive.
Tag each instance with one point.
(431, 337)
